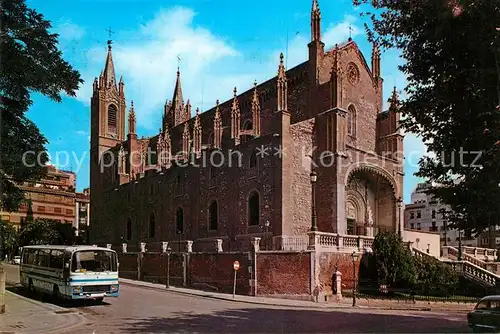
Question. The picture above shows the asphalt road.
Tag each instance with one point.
(143, 310)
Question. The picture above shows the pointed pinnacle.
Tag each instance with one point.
(234, 92)
(255, 83)
(197, 111)
(281, 58)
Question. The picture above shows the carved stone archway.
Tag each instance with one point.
(370, 200)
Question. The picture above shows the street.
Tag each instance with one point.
(143, 310)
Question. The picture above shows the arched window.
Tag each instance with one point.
(253, 208)
(112, 110)
(129, 229)
(351, 121)
(247, 126)
(152, 226)
(213, 216)
(211, 140)
(253, 160)
(180, 220)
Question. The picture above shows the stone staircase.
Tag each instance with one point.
(476, 263)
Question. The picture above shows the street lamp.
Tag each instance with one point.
(169, 252)
(400, 205)
(459, 245)
(313, 178)
(179, 233)
(267, 230)
(354, 257)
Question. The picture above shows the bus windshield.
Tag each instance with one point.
(93, 260)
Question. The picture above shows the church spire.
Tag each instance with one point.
(394, 100)
(282, 87)
(315, 22)
(177, 99)
(375, 61)
(256, 111)
(131, 120)
(109, 68)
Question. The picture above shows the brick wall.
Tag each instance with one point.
(215, 271)
(283, 273)
(128, 265)
(343, 261)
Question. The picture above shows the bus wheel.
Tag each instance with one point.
(31, 288)
(99, 300)
(55, 292)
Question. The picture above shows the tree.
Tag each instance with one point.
(48, 232)
(435, 278)
(9, 237)
(30, 62)
(453, 72)
(393, 259)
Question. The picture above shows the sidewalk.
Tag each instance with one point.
(23, 315)
(345, 303)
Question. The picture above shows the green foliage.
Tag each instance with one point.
(435, 278)
(452, 63)
(9, 237)
(394, 262)
(48, 232)
(30, 62)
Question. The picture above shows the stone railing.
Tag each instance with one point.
(479, 252)
(493, 267)
(291, 243)
(339, 242)
(477, 273)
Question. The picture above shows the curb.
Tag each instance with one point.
(325, 307)
(50, 307)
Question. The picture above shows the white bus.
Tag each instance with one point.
(70, 272)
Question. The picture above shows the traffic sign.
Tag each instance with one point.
(236, 265)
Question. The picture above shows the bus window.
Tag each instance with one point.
(56, 259)
(43, 257)
(31, 256)
(96, 261)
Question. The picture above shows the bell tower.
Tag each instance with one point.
(107, 122)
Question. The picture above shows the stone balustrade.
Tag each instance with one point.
(339, 242)
(494, 267)
(291, 243)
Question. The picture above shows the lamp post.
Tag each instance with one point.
(354, 257)
(179, 233)
(459, 245)
(445, 223)
(400, 205)
(313, 178)
(267, 230)
(169, 251)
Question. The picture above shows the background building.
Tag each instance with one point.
(53, 197)
(425, 213)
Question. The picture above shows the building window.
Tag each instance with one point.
(412, 226)
(412, 215)
(57, 210)
(41, 209)
(129, 229)
(112, 111)
(69, 211)
(434, 227)
(418, 226)
(419, 214)
(253, 208)
(213, 216)
(351, 121)
(253, 160)
(180, 220)
(152, 226)
(433, 213)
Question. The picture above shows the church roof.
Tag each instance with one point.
(109, 68)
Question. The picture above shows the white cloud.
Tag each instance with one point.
(69, 31)
(81, 133)
(210, 66)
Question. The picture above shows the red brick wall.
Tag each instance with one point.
(327, 263)
(283, 273)
(128, 265)
(216, 270)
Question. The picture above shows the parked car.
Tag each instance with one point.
(16, 260)
(486, 315)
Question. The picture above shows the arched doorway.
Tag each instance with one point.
(370, 204)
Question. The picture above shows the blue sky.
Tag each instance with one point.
(221, 43)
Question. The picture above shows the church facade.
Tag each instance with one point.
(242, 169)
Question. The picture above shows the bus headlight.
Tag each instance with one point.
(77, 289)
(114, 288)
